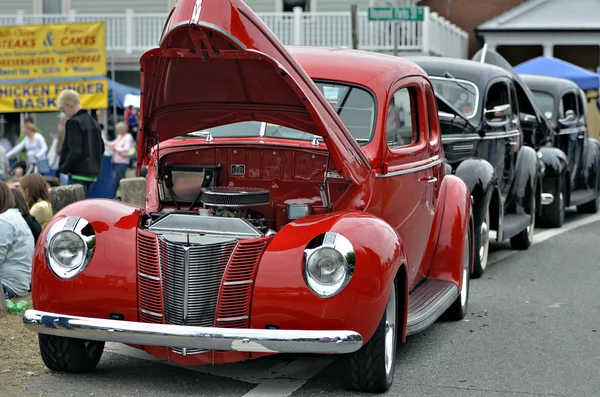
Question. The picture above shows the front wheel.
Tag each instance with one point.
(371, 369)
(482, 245)
(553, 215)
(70, 355)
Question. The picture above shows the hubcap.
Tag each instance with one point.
(390, 330)
(466, 269)
(485, 240)
(531, 227)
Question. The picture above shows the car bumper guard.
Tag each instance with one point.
(206, 338)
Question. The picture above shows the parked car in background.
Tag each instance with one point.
(565, 105)
(292, 207)
(483, 141)
(578, 186)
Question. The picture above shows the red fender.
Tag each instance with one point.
(455, 219)
(109, 282)
(282, 298)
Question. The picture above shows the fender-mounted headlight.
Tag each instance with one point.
(69, 246)
(329, 264)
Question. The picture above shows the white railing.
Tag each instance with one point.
(131, 32)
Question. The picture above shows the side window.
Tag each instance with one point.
(568, 105)
(514, 105)
(498, 96)
(401, 122)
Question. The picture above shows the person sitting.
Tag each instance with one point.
(21, 205)
(36, 193)
(16, 247)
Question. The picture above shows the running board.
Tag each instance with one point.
(514, 224)
(428, 301)
(582, 196)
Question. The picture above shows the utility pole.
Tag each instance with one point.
(354, 13)
(396, 28)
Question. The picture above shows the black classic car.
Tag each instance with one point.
(565, 105)
(484, 144)
(566, 181)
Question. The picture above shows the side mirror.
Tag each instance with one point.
(570, 119)
(498, 117)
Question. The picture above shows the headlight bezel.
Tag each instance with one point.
(81, 228)
(323, 243)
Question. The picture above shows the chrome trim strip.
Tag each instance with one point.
(230, 319)
(196, 12)
(208, 338)
(411, 170)
(451, 138)
(238, 282)
(149, 277)
(151, 313)
(186, 281)
(465, 146)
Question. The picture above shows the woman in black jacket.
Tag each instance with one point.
(21, 205)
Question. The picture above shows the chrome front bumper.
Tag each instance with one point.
(205, 338)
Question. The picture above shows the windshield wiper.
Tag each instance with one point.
(464, 87)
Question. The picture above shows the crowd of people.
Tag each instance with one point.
(74, 157)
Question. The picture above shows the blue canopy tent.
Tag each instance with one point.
(553, 67)
(120, 89)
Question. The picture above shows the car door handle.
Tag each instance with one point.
(428, 179)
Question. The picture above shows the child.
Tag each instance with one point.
(35, 190)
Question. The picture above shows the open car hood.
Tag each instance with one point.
(445, 106)
(527, 102)
(218, 63)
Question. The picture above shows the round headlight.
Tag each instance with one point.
(330, 265)
(326, 266)
(67, 249)
(69, 246)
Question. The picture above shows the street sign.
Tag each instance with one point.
(416, 14)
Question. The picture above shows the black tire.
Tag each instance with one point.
(70, 355)
(523, 240)
(481, 252)
(553, 215)
(591, 207)
(458, 310)
(365, 369)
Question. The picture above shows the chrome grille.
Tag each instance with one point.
(191, 281)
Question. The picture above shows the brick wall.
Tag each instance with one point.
(468, 14)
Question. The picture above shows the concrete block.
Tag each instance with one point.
(133, 191)
(61, 196)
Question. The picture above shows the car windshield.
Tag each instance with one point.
(461, 94)
(546, 102)
(355, 106)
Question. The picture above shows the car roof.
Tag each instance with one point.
(464, 69)
(359, 67)
(553, 85)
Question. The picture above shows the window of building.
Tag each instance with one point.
(289, 5)
(51, 6)
(400, 128)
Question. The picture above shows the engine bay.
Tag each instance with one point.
(265, 195)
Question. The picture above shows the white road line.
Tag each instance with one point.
(291, 377)
(547, 234)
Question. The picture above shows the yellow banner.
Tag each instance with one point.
(42, 97)
(42, 51)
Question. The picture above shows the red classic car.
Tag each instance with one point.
(298, 201)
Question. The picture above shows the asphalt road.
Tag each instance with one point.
(533, 329)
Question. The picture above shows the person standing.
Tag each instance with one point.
(123, 149)
(83, 147)
(34, 143)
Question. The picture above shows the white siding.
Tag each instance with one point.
(119, 6)
(12, 6)
(341, 5)
(261, 5)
